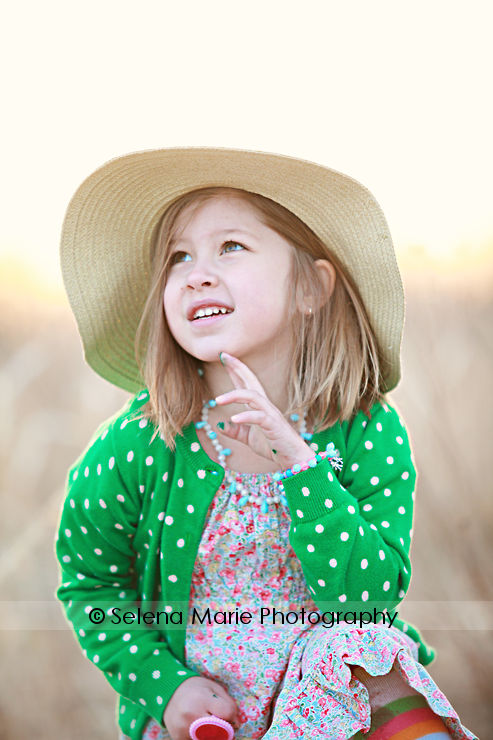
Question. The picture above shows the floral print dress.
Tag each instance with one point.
(294, 679)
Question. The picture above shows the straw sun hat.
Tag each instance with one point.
(112, 219)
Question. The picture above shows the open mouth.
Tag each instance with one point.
(203, 314)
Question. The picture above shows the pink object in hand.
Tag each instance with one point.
(211, 728)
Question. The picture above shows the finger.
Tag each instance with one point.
(250, 417)
(223, 706)
(247, 376)
(243, 395)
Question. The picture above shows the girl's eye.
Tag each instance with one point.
(179, 257)
(226, 246)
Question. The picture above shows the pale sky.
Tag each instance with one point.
(395, 94)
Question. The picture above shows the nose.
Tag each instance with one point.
(201, 275)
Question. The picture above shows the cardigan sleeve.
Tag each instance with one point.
(352, 534)
(96, 549)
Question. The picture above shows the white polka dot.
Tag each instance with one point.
(80, 576)
(103, 436)
(86, 472)
(96, 659)
(120, 498)
(351, 509)
(132, 676)
(405, 627)
(374, 480)
(180, 543)
(149, 460)
(344, 536)
(82, 633)
(99, 469)
(368, 445)
(165, 477)
(385, 524)
(98, 551)
(66, 559)
(130, 456)
(72, 503)
(111, 463)
(133, 648)
(200, 474)
(83, 529)
(133, 722)
(160, 516)
(181, 673)
(159, 699)
(354, 466)
(330, 476)
(401, 541)
(321, 582)
(124, 424)
(364, 564)
(319, 528)
(361, 531)
(401, 510)
(342, 597)
(299, 513)
(379, 426)
(143, 423)
(102, 503)
(310, 548)
(305, 491)
(190, 509)
(86, 503)
(168, 520)
(386, 585)
(390, 460)
(328, 503)
(381, 554)
(195, 447)
(367, 507)
(74, 477)
(399, 440)
(364, 596)
(401, 594)
(118, 526)
(387, 492)
(405, 475)
(113, 568)
(363, 424)
(156, 674)
(126, 637)
(68, 533)
(172, 578)
(333, 563)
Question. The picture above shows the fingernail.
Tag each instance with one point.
(220, 424)
(275, 452)
(221, 357)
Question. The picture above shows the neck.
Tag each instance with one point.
(272, 374)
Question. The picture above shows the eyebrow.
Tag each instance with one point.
(232, 229)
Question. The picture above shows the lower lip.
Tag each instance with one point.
(207, 321)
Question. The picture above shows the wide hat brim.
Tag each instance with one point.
(112, 220)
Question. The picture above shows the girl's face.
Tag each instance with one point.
(225, 258)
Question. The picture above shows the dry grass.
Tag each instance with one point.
(51, 403)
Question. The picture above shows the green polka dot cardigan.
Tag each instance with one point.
(131, 526)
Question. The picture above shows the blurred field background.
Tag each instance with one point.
(51, 403)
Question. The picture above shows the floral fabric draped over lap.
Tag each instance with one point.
(289, 681)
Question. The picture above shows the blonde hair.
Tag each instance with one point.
(335, 368)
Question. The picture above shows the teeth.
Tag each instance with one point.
(209, 311)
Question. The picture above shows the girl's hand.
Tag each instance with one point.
(194, 698)
(263, 427)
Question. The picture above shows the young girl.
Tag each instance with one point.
(236, 540)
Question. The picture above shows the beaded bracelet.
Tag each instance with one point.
(330, 452)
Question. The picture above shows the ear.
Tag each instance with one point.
(327, 276)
